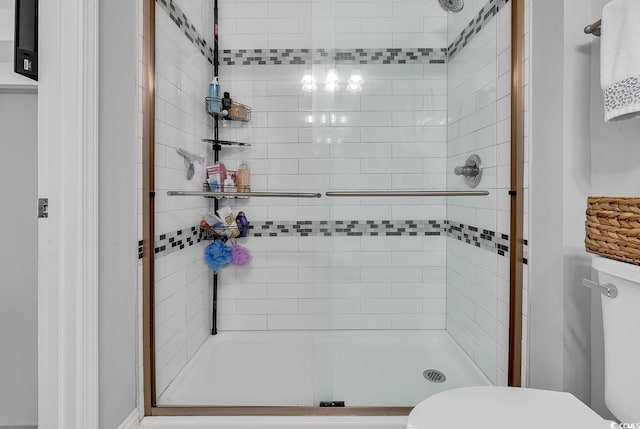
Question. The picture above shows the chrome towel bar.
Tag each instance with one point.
(607, 290)
(243, 194)
(407, 193)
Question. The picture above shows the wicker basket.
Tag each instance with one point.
(613, 228)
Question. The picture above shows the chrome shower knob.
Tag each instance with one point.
(471, 171)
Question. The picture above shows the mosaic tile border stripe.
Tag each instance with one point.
(482, 238)
(249, 57)
(180, 19)
(172, 242)
(485, 239)
(340, 56)
(347, 228)
(486, 13)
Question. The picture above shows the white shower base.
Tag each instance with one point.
(362, 368)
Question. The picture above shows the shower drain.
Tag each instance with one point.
(434, 376)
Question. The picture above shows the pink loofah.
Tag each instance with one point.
(239, 255)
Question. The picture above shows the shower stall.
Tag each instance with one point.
(384, 204)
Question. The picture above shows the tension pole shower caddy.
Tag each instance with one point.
(217, 147)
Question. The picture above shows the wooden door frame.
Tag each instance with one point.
(516, 235)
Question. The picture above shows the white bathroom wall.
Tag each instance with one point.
(183, 285)
(18, 260)
(118, 199)
(574, 155)
(479, 123)
(545, 322)
(613, 147)
(559, 338)
(391, 135)
(7, 9)
(576, 180)
(18, 135)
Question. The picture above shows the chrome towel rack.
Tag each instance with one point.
(595, 28)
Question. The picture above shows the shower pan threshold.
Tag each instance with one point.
(382, 422)
(303, 368)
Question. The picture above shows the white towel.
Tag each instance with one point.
(620, 59)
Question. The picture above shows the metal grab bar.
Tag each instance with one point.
(330, 194)
(243, 194)
(607, 290)
(407, 193)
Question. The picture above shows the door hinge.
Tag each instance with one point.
(43, 207)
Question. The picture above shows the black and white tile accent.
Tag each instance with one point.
(492, 241)
(486, 13)
(341, 56)
(171, 242)
(184, 25)
(482, 238)
(347, 228)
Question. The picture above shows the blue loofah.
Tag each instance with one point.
(217, 255)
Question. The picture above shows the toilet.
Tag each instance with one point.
(509, 407)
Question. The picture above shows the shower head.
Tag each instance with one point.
(452, 6)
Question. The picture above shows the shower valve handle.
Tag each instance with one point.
(471, 171)
(467, 171)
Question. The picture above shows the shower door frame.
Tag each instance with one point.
(516, 239)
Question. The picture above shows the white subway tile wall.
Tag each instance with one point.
(182, 282)
(390, 135)
(315, 282)
(300, 24)
(479, 123)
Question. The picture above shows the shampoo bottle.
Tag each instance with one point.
(214, 102)
(243, 177)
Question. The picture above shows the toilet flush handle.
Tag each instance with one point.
(607, 290)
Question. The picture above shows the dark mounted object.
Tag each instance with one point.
(25, 55)
(332, 404)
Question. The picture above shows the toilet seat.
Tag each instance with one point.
(503, 408)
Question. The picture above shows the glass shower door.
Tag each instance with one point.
(378, 115)
(352, 299)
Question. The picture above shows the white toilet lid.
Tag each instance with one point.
(503, 408)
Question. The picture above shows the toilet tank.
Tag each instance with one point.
(621, 317)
